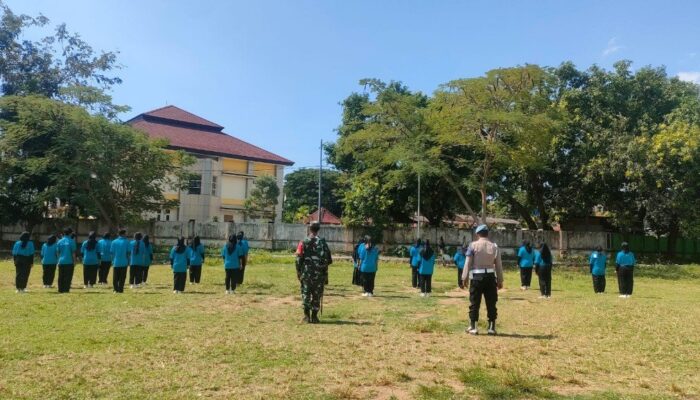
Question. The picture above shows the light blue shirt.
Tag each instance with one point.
(49, 254)
(231, 261)
(539, 261)
(598, 262)
(414, 252)
(244, 246)
(18, 250)
(66, 250)
(459, 259)
(137, 259)
(120, 252)
(526, 260)
(625, 259)
(104, 247)
(427, 266)
(179, 260)
(147, 255)
(369, 259)
(89, 256)
(197, 257)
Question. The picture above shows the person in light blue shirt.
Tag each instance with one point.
(243, 256)
(147, 258)
(49, 260)
(197, 260)
(425, 269)
(543, 267)
(369, 262)
(624, 264)
(414, 260)
(91, 260)
(66, 261)
(104, 248)
(23, 256)
(180, 256)
(597, 262)
(230, 253)
(356, 275)
(138, 252)
(526, 261)
(459, 259)
(120, 250)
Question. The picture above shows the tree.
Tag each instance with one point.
(60, 66)
(301, 191)
(50, 150)
(366, 205)
(263, 197)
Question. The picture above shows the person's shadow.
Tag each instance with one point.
(521, 336)
(343, 322)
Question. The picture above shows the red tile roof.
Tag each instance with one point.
(328, 217)
(186, 131)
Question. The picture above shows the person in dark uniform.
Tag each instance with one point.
(483, 275)
(23, 256)
(624, 264)
(312, 261)
(598, 262)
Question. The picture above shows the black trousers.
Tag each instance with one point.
(242, 260)
(483, 285)
(598, 283)
(625, 277)
(426, 283)
(118, 279)
(545, 277)
(65, 277)
(179, 279)
(232, 276)
(525, 276)
(89, 274)
(368, 281)
(49, 274)
(356, 277)
(459, 276)
(23, 266)
(135, 274)
(195, 273)
(414, 276)
(144, 273)
(103, 272)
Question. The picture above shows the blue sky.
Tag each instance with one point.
(273, 72)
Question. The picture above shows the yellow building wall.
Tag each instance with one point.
(230, 165)
(260, 169)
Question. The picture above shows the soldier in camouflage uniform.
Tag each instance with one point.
(313, 259)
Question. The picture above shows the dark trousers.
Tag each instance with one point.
(242, 260)
(65, 277)
(135, 274)
(118, 279)
(483, 284)
(459, 276)
(368, 281)
(23, 265)
(49, 274)
(426, 283)
(144, 273)
(232, 276)
(195, 273)
(356, 277)
(103, 273)
(89, 274)
(414, 276)
(179, 279)
(544, 274)
(625, 278)
(598, 283)
(525, 276)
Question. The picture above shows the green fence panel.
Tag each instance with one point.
(663, 244)
(651, 244)
(636, 243)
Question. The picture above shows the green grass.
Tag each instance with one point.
(150, 343)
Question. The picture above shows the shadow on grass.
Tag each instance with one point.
(521, 336)
(343, 322)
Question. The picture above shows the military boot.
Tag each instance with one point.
(314, 317)
(492, 328)
(307, 316)
(472, 330)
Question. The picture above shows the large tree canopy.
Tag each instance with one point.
(301, 193)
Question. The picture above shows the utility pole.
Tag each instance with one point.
(418, 207)
(320, 168)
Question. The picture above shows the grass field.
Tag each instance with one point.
(150, 343)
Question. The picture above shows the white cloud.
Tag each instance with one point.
(690, 76)
(613, 47)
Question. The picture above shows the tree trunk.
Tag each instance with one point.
(522, 210)
(537, 191)
(466, 205)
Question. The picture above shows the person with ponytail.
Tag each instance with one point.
(136, 262)
(23, 255)
(426, 268)
(147, 258)
(369, 260)
(543, 268)
(49, 259)
(231, 255)
(66, 261)
(196, 261)
(180, 256)
(104, 248)
(91, 260)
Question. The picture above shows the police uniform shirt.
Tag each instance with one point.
(483, 254)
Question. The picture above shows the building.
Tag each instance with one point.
(327, 217)
(225, 170)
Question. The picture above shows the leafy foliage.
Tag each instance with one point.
(301, 193)
(263, 198)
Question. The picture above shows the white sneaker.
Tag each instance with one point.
(523, 288)
(427, 295)
(422, 294)
(228, 292)
(622, 296)
(473, 331)
(370, 295)
(364, 294)
(18, 291)
(627, 296)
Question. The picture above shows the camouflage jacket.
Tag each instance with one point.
(313, 255)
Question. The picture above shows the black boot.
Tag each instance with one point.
(492, 328)
(307, 317)
(314, 317)
(472, 330)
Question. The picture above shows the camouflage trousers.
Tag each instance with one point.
(312, 290)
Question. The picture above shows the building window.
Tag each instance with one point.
(195, 185)
(213, 185)
(228, 218)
